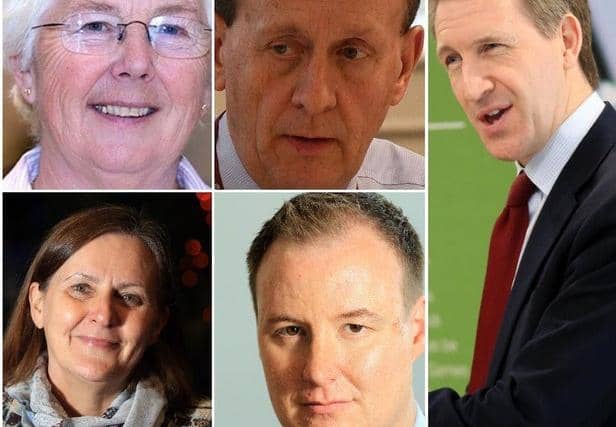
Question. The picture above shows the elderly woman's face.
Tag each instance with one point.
(99, 311)
(127, 109)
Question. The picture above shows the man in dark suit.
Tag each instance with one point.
(524, 73)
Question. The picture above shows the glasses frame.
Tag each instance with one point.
(121, 27)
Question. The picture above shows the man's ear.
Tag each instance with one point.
(221, 29)
(412, 46)
(572, 39)
(418, 325)
(36, 297)
(23, 79)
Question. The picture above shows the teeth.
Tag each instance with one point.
(493, 113)
(119, 111)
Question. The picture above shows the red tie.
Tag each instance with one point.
(505, 245)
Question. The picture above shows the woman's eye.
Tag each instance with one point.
(96, 27)
(352, 52)
(80, 289)
(170, 30)
(132, 300)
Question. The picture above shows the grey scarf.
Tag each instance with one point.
(34, 402)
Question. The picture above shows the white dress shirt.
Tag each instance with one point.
(386, 166)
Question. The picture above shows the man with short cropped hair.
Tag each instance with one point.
(337, 288)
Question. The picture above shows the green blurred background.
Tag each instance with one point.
(467, 190)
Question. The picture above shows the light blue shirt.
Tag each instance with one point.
(546, 166)
(420, 418)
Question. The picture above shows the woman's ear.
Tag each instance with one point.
(37, 304)
(23, 79)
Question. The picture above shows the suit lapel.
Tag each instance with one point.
(558, 208)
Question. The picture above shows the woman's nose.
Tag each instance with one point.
(134, 53)
(103, 311)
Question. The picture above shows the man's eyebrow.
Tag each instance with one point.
(280, 318)
(278, 29)
(442, 49)
(495, 37)
(360, 313)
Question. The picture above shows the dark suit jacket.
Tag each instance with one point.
(554, 362)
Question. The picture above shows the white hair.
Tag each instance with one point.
(19, 17)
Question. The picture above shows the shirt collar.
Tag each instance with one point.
(232, 172)
(545, 167)
(420, 418)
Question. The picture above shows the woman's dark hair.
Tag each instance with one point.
(24, 342)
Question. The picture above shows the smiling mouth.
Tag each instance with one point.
(99, 342)
(123, 111)
(494, 115)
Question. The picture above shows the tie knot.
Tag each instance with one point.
(521, 190)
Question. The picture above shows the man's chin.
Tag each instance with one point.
(309, 183)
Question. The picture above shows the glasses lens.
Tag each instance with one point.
(177, 37)
(90, 33)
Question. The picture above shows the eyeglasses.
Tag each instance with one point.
(100, 34)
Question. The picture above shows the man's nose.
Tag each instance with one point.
(321, 362)
(315, 89)
(134, 54)
(476, 82)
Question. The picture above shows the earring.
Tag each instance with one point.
(27, 91)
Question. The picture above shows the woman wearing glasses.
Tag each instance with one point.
(112, 90)
(91, 340)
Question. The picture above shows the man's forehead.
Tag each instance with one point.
(322, 15)
(336, 272)
(468, 21)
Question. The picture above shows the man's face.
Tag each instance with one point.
(508, 77)
(308, 84)
(335, 339)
